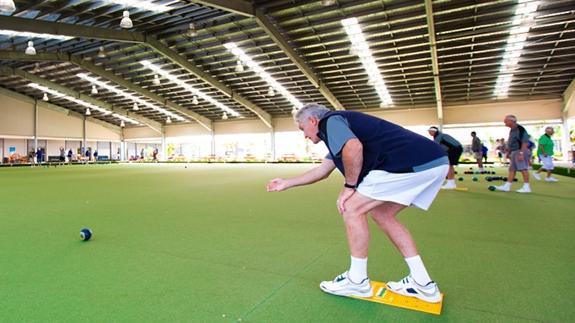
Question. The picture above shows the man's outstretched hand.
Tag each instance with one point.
(277, 185)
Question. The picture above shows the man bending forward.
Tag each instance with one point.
(386, 169)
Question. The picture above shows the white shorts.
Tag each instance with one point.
(418, 189)
(547, 162)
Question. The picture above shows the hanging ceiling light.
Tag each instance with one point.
(168, 120)
(88, 112)
(135, 107)
(30, 50)
(239, 66)
(101, 52)
(45, 97)
(36, 68)
(271, 91)
(192, 30)
(122, 124)
(326, 3)
(225, 116)
(156, 79)
(195, 100)
(294, 110)
(94, 89)
(126, 22)
(7, 6)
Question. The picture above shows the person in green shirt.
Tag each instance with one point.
(545, 152)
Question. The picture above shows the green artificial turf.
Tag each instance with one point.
(207, 243)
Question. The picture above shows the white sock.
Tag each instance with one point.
(451, 182)
(357, 270)
(526, 185)
(418, 271)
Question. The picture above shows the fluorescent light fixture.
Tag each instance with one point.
(248, 61)
(11, 33)
(123, 118)
(326, 3)
(140, 4)
(67, 97)
(188, 87)
(360, 47)
(126, 22)
(7, 6)
(524, 16)
(129, 96)
(30, 50)
(94, 89)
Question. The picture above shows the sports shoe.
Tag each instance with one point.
(503, 188)
(409, 287)
(343, 286)
(536, 176)
(448, 186)
(551, 179)
(524, 190)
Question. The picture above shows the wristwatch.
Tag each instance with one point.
(350, 186)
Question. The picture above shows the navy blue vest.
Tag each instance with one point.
(386, 146)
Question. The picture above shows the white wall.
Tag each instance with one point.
(496, 112)
(140, 133)
(17, 120)
(17, 117)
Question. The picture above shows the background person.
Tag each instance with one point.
(518, 155)
(454, 150)
(545, 153)
(477, 149)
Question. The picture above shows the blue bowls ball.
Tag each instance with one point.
(85, 234)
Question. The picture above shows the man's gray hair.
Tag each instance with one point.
(511, 117)
(310, 110)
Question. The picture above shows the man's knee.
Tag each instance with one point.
(352, 213)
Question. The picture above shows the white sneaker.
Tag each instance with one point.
(536, 176)
(524, 190)
(551, 179)
(503, 188)
(409, 287)
(342, 286)
(448, 186)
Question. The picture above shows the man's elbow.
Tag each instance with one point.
(354, 147)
